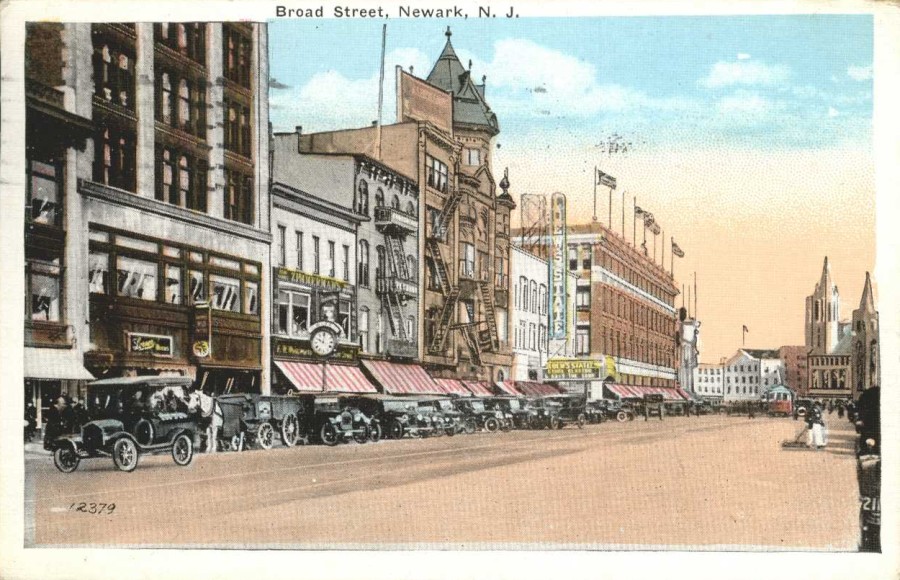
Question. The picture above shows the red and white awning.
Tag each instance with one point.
(638, 392)
(535, 389)
(402, 379)
(509, 387)
(453, 387)
(347, 379)
(479, 388)
(306, 377)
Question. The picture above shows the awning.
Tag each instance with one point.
(401, 379)
(509, 388)
(453, 387)
(479, 388)
(347, 379)
(306, 377)
(55, 364)
(638, 392)
(535, 389)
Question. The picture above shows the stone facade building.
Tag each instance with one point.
(865, 348)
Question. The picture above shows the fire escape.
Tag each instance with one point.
(395, 285)
(451, 293)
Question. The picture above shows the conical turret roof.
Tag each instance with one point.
(867, 300)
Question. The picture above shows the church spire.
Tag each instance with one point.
(867, 301)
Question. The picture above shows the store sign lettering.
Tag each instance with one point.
(298, 277)
(559, 267)
(153, 344)
(573, 369)
(300, 349)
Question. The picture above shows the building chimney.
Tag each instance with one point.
(299, 130)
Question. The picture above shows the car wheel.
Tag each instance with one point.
(505, 425)
(621, 416)
(396, 429)
(143, 432)
(125, 455)
(183, 450)
(265, 436)
(471, 426)
(65, 459)
(451, 431)
(328, 434)
(581, 420)
(491, 424)
(290, 430)
(375, 432)
(361, 435)
(555, 423)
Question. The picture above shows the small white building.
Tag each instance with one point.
(771, 368)
(529, 277)
(749, 372)
(709, 381)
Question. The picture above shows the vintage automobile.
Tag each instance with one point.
(653, 405)
(502, 409)
(802, 407)
(453, 420)
(334, 421)
(475, 410)
(546, 412)
(397, 416)
(595, 412)
(516, 410)
(614, 410)
(132, 416)
(253, 419)
(571, 410)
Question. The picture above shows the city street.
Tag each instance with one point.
(712, 482)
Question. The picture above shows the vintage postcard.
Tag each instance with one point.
(442, 290)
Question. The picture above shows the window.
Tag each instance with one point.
(502, 323)
(411, 267)
(346, 263)
(573, 258)
(198, 288)
(411, 329)
(362, 198)
(238, 50)
(113, 73)
(293, 313)
(436, 173)
(433, 215)
(225, 293)
(98, 273)
(473, 157)
(583, 297)
(379, 197)
(586, 258)
(42, 284)
(484, 267)
(239, 197)
(251, 298)
(532, 336)
(364, 329)
(114, 158)
(172, 292)
(431, 272)
(542, 296)
(188, 39)
(136, 278)
(379, 333)
(282, 245)
(523, 288)
(299, 249)
(316, 264)
(534, 297)
(237, 128)
(582, 340)
(362, 264)
(395, 203)
(411, 209)
(380, 262)
(502, 280)
(44, 191)
(181, 101)
(467, 260)
(343, 318)
(331, 259)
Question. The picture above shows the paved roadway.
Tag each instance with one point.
(711, 482)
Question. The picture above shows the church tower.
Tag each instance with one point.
(866, 360)
(823, 314)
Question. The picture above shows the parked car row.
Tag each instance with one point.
(133, 416)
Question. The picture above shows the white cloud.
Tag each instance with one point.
(860, 73)
(743, 56)
(725, 74)
(744, 105)
(832, 112)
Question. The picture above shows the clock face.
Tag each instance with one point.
(322, 342)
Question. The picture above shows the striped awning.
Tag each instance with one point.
(509, 388)
(347, 379)
(479, 388)
(306, 377)
(638, 392)
(402, 379)
(687, 396)
(535, 389)
(453, 387)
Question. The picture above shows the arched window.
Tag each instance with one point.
(165, 104)
(184, 182)
(395, 202)
(379, 198)
(363, 326)
(184, 105)
(534, 297)
(362, 264)
(411, 329)
(411, 208)
(381, 256)
(411, 267)
(362, 198)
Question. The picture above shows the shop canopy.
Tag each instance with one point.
(509, 388)
(534, 389)
(54, 364)
(453, 387)
(402, 379)
(307, 377)
(638, 392)
(479, 388)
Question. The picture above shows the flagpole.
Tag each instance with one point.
(610, 209)
(595, 192)
(662, 250)
(623, 214)
(654, 248)
(672, 257)
(634, 222)
(695, 294)
(381, 87)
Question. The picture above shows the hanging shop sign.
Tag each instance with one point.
(298, 277)
(286, 348)
(559, 268)
(572, 369)
(153, 344)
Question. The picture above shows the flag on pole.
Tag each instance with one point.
(654, 227)
(606, 180)
(676, 250)
(649, 220)
(746, 329)
(638, 211)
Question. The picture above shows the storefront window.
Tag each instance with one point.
(225, 293)
(136, 278)
(173, 284)
(251, 298)
(98, 266)
(198, 288)
(344, 316)
(293, 313)
(43, 193)
(44, 297)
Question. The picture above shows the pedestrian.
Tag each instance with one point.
(816, 424)
(79, 414)
(840, 411)
(30, 421)
(210, 410)
(55, 421)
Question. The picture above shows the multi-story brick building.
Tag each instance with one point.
(795, 361)
(463, 302)
(160, 205)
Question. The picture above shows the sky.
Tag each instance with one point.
(749, 138)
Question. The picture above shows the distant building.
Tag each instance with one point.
(866, 362)
(529, 277)
(688, 346)
(709, 381)
(742, 377)
(795, 362)
(771, 367)
(823, 314)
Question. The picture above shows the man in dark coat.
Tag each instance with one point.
(57, 420)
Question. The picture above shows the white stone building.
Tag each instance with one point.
(709, 381)
(529, 277)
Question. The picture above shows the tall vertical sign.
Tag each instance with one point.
(559, 268)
